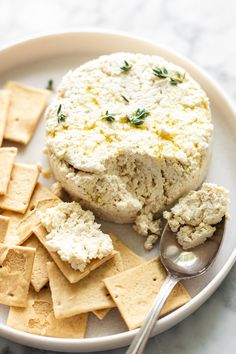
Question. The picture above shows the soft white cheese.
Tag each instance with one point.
(193, 217)
(74, 234)
(121, 172)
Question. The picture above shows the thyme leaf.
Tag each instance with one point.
(138, 117)
(109, 117)
(50, 85)
(60, 116)
(126, 67)
(177, 79)
(163, 73)
(125, 98)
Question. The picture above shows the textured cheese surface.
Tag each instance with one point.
(195, 214)
(74, 234)
(122, 172)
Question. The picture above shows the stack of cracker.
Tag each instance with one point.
(54, 299)
(45, 294)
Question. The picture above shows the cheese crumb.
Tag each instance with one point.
(74, 234)
(150, 242)
(195, 214)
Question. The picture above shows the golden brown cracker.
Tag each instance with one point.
(4, 224)
(7, 158)
(20, 188)
(38, 318)
(87, 295)
(26, 107)
(129, 260)
(4, 106)
(21, 226)
(134, 290)
(15, 274)
(12, 237)
(39, 276)
(31, 220)
(101, 314)
(40, 193)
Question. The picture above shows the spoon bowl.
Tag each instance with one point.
(193, 262)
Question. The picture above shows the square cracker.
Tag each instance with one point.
(134, 290)
(15, 274)
(129, 260)
(31, 220)
(39, 276)
(40, 193)
(20, 188)
(38, 318)
(87, 295)
(7, 158)
(4, 223)
(26, 107)
(4, 106)
(14, 237)
(71, 274)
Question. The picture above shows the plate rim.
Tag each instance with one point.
(124, 338)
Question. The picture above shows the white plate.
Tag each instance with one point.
(34, 62)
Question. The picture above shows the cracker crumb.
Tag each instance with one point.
(46, 173)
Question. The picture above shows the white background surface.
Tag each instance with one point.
(203, 30)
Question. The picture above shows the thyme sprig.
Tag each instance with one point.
(61, 117)
(163, 73)
(50, 85)
(177, 79)
(125, 98)
(138, 117)
(126, 67)
(109, 117)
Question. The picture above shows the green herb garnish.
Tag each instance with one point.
(126, 67)
(60, 116)
(109, 117)
(138, 117)
(50, 85)
(126, 99)
(177, 79)
(163, 73)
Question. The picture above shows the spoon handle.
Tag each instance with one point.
(139, 342)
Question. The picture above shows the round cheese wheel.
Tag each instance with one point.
(127, 135)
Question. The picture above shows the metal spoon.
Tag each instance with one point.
(180, 264)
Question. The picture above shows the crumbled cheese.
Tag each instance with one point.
(121, 172)
(150, 241)
(195, 214)
(74, 234)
